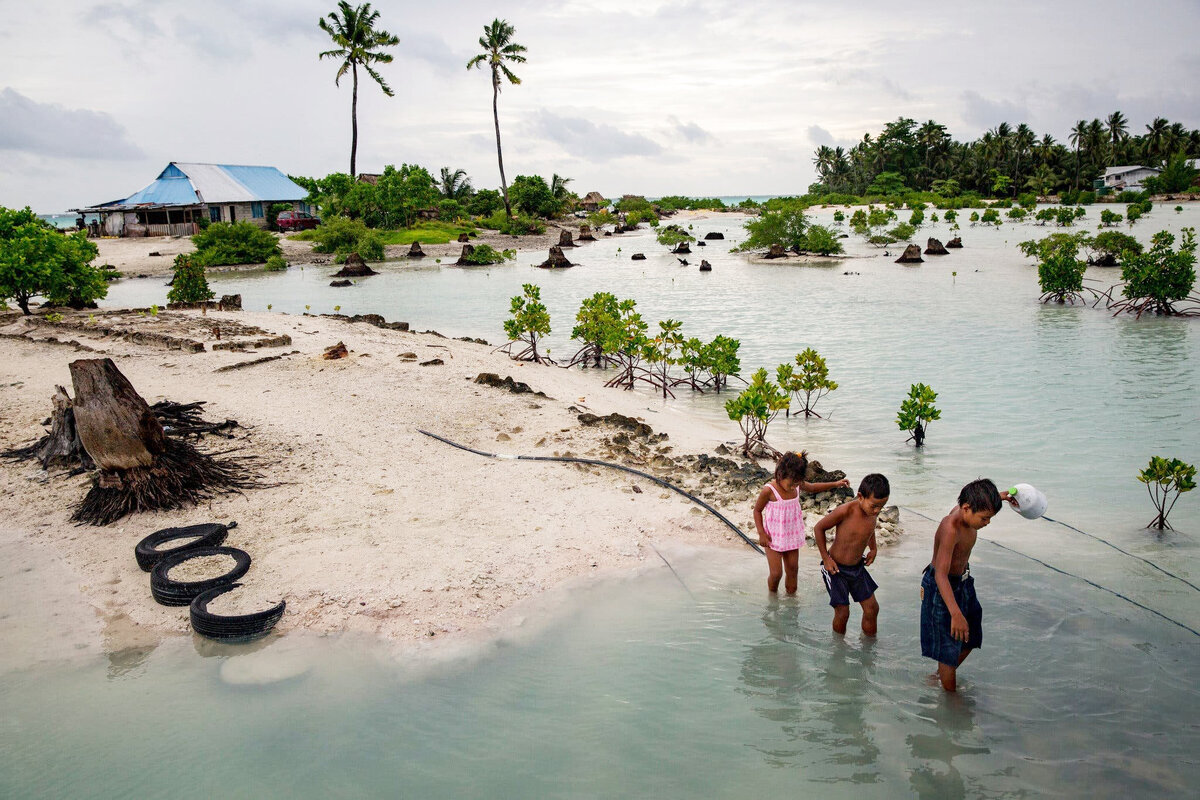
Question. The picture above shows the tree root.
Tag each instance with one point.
(181, 475)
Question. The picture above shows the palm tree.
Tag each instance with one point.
(454, 185)
(1023, 142)
(1156, 134)
(353, 31)
(1117, 131)
(558, 186)
(498, 47)
(1079, 135)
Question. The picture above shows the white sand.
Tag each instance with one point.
(373, 527)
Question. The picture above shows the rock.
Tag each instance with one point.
(415, 251)
(911, 255)
(336, 351)
(617, 421)
(354, 267)
(934, 248)
(776, 251)
(585, 234)
(564, 239)
(638, 257)
(705, 266)
(608, 233)
(556, 260)
(516, 387)
(462, 237)
(955, 242)
(890, 515)
(701, 243)
(683, 248)
(433, 362)
(407, 356)
(154, 253)
(343, 282)
(714, 235)
(503, 437)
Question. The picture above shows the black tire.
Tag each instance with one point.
(148, 553)
(241, 627)
(180, 593)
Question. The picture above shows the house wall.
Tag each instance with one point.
(245, 212)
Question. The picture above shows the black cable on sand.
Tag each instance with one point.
(610, 465)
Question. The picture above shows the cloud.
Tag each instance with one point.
(586, 139)
(690, 131)
(433, 51)
(819, 136)
(983, 113)
(51, 130)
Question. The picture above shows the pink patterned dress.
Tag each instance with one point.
(784, 522)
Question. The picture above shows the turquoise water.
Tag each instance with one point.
(636, 689)
(67, 220)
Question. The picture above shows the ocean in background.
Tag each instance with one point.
(68, 220)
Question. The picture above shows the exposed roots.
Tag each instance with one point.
(181, 475)
(185, 420)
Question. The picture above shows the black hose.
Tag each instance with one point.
(597, 463)
(1072, 575)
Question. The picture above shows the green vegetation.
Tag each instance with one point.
(754, 409)
(484, 254)
(1177, 176)
(513, 225)
(810, 377)
(433, 232)
(673, 236)
(1157, 279)
(357, 43)
(917, 411)
(1164, 478)
(1108, 247)
(662, 352)
(189, 285)
(530, 322)
(1110, 218)
(1060, 272)
(597, 328)
(37, 260)
(342, 236)
(276, 264)
(224, 243)
(499, 48)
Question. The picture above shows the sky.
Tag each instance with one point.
(694, 97)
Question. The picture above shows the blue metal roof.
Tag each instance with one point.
(186, 184)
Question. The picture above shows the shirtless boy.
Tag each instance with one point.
(951, 617)
(843, 567)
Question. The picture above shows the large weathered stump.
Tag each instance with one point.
(564, 239)
(934, 248)
(911, 255)
(585, 234)
(62, 448)
(776, 251)
(556, 259)
(415, 251)
(955, 242)
(354, 267)
(463, 259)
(116, 426)
(714, 235)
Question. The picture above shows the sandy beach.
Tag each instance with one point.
(372, 526)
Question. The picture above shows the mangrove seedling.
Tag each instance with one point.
(336, 309)
(661, 353)
(917, 411)
(1178, 209)
(530, 321)
(1157, 279)
(721, 360)
(809, 378)
(190, 285)
(1164, 478)
(753, 409)
(1060, 273)
(597, 327)
(627, 345)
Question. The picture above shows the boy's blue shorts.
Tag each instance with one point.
(849, 581)
(936, 641)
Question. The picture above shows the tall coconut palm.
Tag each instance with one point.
(558, 186)
(1118, 131)
(1156, 134)
(1079, 137)
(498, 47)
(353, 31)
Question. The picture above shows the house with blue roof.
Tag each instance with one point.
(185, 193)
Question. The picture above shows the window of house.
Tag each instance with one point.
(214, 213)
(256, 210)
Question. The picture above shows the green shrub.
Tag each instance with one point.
(1027, 200)
(990, 217)
(485, 202)
(190, 284)
(822, 241)
(530, 322)
(1109, 218)
(753, 409)
(1160, 277)
(486, 254)
(917, 411)
(810, 378)
(276, 264)
(1113, 244)
(1085, 198)
(1060, 273)
(225, 243)
(786, 227)
(516, 225)
(342, 236)
(36, 259)
(1163, 478)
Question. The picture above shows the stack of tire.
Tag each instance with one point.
(202, 540)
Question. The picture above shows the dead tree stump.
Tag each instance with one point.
(63, 447)
(116, 426)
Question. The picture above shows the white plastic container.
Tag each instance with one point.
(1031, 503)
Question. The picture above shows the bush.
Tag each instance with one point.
(530, 194)
(917, 411)
(276, 264)
(1060, 273)
(450, 210)
(225, 243)
(486, 254)
(189, 285)
(36, 259)
(1160, 277)
(822, 241)
(342, 236)
(673, 236)
(485, 202)
(753, 409)
(530, 322)
(1027, 200)
(990, 217)
(1130, 196)
(516, 225)
(1109, 218)
(1113, 244)
(810, 377)
(786, 227)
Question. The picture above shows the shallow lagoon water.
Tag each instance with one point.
(637, 689)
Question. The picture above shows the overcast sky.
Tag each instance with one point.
(700, 97)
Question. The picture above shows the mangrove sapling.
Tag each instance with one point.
(627, 345)
(809, 378)
(917, 411)
(950, 216)
(785, 226)
(753, 409)
(1060, 273)
(189, 285)
(660, 353)
(691, 358)
(822, 241)
(676, 238)
(721, 360)
(597, 325)
(1105, 248)
(1110, 218)
(1157, 279)
(991, 217)
(530, 321)
(1178, 209)
(1164, 478)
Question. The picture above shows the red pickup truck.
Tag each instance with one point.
(296, 221)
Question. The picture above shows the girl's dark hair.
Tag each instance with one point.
(981, 495)
(792, 465)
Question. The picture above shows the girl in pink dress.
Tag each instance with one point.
(780, 519)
